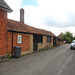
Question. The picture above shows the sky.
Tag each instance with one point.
(53, 15)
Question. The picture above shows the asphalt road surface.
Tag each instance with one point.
(57, 61)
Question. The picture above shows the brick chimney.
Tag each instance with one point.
(22, 15)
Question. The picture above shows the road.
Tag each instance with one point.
(57, 61)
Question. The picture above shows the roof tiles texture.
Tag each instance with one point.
(59, 36)
(20, 27)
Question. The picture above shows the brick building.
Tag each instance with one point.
(15, 33)
(60, 41)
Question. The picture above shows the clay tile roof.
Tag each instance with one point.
(59, 36)
(4, 6)
(20, 27)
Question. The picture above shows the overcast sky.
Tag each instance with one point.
(52, 15)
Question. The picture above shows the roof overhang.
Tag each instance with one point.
(27, 32)
(4, 9)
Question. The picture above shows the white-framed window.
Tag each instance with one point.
(19, 39)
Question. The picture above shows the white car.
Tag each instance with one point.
(72, 44)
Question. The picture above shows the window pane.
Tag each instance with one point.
(48, 38)
(19, 39)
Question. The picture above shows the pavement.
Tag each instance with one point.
(56, 61)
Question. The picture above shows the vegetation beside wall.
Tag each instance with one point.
(68, 37)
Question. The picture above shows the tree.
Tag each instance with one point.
(68, 37)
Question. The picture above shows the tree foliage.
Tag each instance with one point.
(68, 37)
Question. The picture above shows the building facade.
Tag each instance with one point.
(15, 33)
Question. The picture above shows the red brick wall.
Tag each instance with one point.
(46, 40)
(25, 41)
(9, 42)
(3, 32)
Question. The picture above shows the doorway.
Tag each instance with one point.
(54, 41)
(35, 42)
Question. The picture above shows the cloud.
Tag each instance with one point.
(52, 12)
(15, 6)
(59, 12)
(71, 19)
(53, 15)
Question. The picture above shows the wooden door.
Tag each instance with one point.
(54, 41)
(35, 42)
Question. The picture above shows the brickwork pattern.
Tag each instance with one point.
(25, 42)
(45, 44)
(3, 32)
